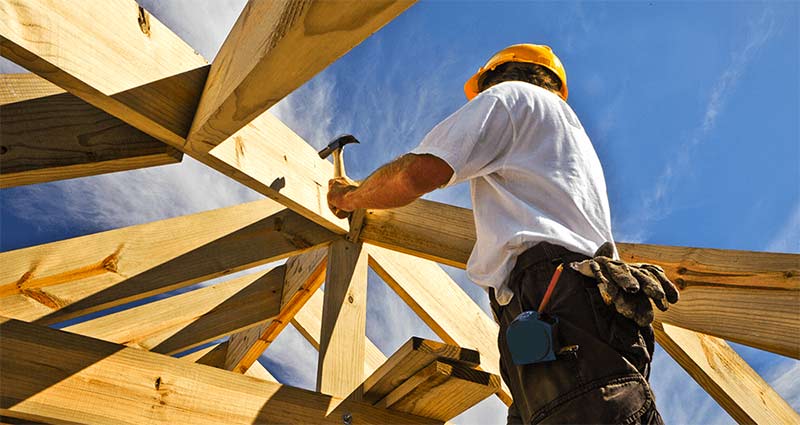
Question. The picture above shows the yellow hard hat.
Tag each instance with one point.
(527, 53)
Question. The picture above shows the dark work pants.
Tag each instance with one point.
(600, 374)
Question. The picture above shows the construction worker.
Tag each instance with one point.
(539, 200)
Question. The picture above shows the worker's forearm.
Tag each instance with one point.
(388, 187)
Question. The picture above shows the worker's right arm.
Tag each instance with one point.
(393, 185)
(470, 143)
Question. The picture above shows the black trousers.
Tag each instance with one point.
(601, 371)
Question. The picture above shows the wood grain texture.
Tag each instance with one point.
(725, 376)
(105, 383)
(431, 293)
(441, 391)
(159, 94)
(284, 42)
(752, 298)
(56, 281)
(304, 275)
(21, 87)
(721, 290)
(308, 321)
(181, 322)
(99, 52)
(59, 136)
(431, 230)
(410, 358)
(340, 369)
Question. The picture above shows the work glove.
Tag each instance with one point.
(629, 287)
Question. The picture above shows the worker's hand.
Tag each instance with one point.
(338, 188)
(629, 287)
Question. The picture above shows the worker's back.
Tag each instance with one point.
(534, 177)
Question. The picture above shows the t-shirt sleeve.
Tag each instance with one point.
(474, 140)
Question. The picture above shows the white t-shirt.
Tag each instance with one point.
(534, 176)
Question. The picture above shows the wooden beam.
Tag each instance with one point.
(59, 136)
(308, 321)
(721, 290)
(340, 369)
(181, 322)
(441, 391)
(431, 230)
(112, 54)
(747, 297)
(304, 275)
(101, 382)
(60, 280)
(410, 358)
(21, 87)
(157, 84)
(282, 42)
(432, 293)
(725, 376)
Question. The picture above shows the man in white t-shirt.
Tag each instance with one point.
(539, 199)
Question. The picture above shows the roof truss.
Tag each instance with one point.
(129, 67)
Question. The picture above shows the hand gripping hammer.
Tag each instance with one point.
(336, 147)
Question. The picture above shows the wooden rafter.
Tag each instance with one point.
(141, 73)
(157, 84)
(715, 284)
(304, 275)
(202, 356)
(58, 136)
(101, 382)
(65, 279)
(285, 43)
(725, 376)
(340, 369)
(178, 323)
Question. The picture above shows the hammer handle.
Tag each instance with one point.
(338, 163)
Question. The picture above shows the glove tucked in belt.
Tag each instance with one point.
(629, 287)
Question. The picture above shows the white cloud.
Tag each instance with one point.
(787, 238)
(658, 203)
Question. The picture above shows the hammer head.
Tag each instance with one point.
(337, 143)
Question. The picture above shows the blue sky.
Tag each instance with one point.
(693, 107)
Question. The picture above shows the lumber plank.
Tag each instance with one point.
(721, 290)
(181, 322)
(60, 280)
(25, 86)
(410, 358)
(304, 275)
(155, 87)
(59, 136)
(141, 73)
(285, 43)
(725, 376)
(432, 230)
(751, 298)
(441, 391)
(308, 321)
(431, 293)
(340, 369)
(101, 382)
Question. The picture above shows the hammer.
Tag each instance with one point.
(336, 147)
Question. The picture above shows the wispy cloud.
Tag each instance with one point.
(658, 202)
(787, 238)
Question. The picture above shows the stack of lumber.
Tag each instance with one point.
(430, 379)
